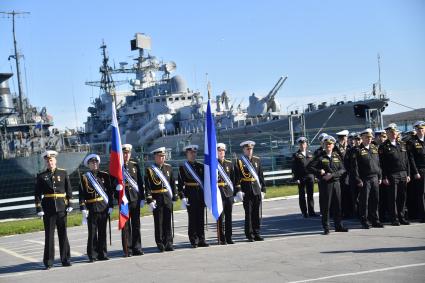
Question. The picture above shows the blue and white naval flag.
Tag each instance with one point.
(212, 196)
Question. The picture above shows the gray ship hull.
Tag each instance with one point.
(274, 135)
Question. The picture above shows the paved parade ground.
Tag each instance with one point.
(293, 251)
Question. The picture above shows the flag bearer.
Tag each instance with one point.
(134, 191)
(191, 179)
(226, 180)
(250, 180)
(96, 203)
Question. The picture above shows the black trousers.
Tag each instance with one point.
(419, 186)
(96, 243)
(162, 223)
(195, 211)
(50, 222)
(251, 205)
(397, 196)
(226, 225)
(383, 202)
(130, 235)
(306, 185)
(347, 206)
(369, 200)
(331, 195)
(355, 195)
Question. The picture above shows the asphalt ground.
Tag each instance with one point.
(294, 250)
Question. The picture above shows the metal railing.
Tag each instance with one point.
(27, 202)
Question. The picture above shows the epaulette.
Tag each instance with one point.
(254, 156)
(166, 164)
(60, 169)
(134, 162)
(104, 172)
(227, 160)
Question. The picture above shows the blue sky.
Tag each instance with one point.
(327, 49)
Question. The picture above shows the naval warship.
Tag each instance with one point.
(160, 110)
(25, 132)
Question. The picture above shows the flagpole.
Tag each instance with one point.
(124, 229)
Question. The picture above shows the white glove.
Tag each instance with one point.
(152, 206)
(40, 214)
(185, 204)
(69, 209)
(263, 195)
(239, 196)
(118, 187)
(85, 213)
(142, 203)
(110, 210)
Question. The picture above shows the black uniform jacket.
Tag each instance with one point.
(155, 188)
(131, 193)
(332, 165)
(299, 164)
(416, 150)
(245, 181)
(224, 188)
(365, 163)
(393, 158)
(187, 185)
(56, 190)
(90, 199)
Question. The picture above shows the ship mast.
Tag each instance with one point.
(379, 73)
(16, 57)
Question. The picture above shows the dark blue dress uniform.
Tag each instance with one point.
(252, 195)
(416, 149)
(98, 213)
(190, 189)
(156, 190)
(330, 189)
(366, 170)
(227, 197)
(395, 167)
(53, 193)
(306, 181)
(132, 226)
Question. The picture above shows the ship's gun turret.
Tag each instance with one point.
(259, 107)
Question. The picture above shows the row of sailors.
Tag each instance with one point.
(365, 176)
(242, 181)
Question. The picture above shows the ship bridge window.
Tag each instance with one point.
(183, 98)
(177, 98)
(163, 99)
(170, 99)
(157, 100)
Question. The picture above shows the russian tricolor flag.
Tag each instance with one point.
(116, 168)
(212, 196)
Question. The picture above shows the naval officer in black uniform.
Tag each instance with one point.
(416, 148)
(96, 197)
(135, 193)
(191, 191)
(367, 174)
(53, 194)
(305, 180)
(328, 167)
(160, 194)
(395, 174)
(249, 178)
(226, 181)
